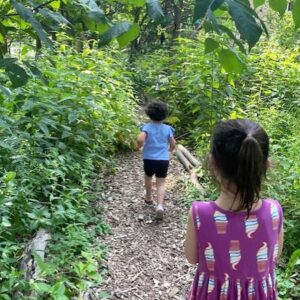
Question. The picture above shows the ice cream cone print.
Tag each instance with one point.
(224, 288)
(265, 287)
(198, 223)
(221, 222)
(234, 253)
(239, 289)
(275, 252)
(211, 284)
(262, 258)
(251, 225)
(209, 257)
(251, 290)
(275, 216)
(200, 282)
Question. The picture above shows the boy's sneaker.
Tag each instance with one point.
(159, 212)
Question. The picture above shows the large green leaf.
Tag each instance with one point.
(154, 10)
(230, 61)
(36, 72)
(296, 13)
(213, 21)
(114, 32)
(201, 7)
(17, 75)
(93, 10)
(53, 16)
(27, 15)
(5, 62)
(210, 45)
(258, 3)
(129, 36)
(279, 6)
(245, 22)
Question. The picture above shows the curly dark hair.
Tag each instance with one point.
(157, 111)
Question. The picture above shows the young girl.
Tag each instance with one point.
(236, 240)
(157, 139)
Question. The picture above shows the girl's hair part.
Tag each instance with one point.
(241, 149)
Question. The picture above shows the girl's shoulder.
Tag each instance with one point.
(202, 207)
(271, 203)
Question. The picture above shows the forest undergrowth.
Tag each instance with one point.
(63, 128)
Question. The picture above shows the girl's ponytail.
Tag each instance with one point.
(251, 170)
(240, 149)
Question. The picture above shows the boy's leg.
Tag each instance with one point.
(161, 189)
(161, 174)
(148, 187)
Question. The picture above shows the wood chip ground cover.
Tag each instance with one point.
(145, 256)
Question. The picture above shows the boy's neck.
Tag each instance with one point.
(156, 122)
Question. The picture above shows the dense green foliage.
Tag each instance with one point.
(201, 92)
(65, 113)
(55, 137)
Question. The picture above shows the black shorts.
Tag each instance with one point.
(157, 167)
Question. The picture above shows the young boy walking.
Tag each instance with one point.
(158, 140)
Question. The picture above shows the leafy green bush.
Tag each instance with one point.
(55, 138)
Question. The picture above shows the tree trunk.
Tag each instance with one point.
(177, 20)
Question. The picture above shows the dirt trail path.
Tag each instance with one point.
(146, 259)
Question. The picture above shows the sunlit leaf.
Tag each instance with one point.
(55, 4)
(114, 32)
(9, 176)
(1, 38)
(230, 61)
(296, 13)
(129, 36)
(279, 6)
(258, 3)
(41, 287)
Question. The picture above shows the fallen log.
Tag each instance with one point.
(36, 247)
(187, 165)
(182, 157)
(194, 161)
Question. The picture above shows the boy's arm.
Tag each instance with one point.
(141, 139)
(172, 142)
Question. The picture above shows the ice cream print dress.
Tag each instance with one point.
(237, 254)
